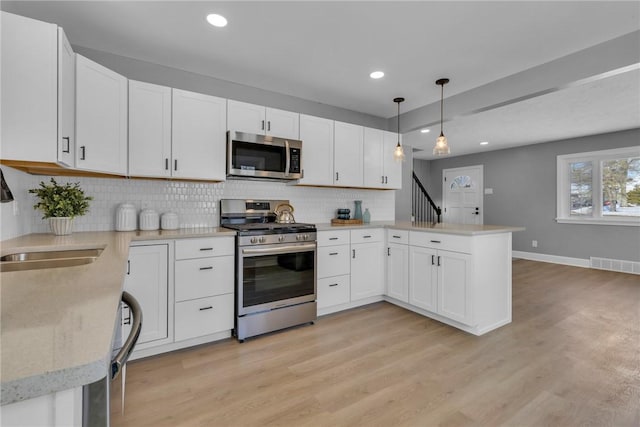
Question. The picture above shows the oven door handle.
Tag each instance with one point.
(288, 249)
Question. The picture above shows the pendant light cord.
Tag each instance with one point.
(441, 107)
(398, 120)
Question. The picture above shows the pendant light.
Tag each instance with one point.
(441, 148)
(398, 153)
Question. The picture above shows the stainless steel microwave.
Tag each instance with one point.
(263, 156)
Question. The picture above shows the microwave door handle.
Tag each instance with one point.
(288, 158)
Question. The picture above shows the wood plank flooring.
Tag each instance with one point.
(571, 357)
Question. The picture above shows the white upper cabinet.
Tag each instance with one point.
(29, 63)
(317, 155)
(347, 155)
(149, 130)
(101, 118)
(380, 168)
(198, 136)
(392, 168)
(66, 101)
(257, 119)
(373, 162)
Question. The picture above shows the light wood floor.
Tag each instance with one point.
(571, 357)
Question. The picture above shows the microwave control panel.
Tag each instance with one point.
(294, 166)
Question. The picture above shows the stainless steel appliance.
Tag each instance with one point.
(96, 396)
(263, 156)
(275, 267)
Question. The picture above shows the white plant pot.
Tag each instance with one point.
(61, 226)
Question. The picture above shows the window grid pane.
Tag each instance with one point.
(621, 187)
(581, 180)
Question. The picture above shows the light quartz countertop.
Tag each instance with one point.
(444, 228)
(57, 324)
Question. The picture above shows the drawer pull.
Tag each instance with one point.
(396, 237)
(206, 268)
(206, 249)
(333, 284)
(435, 241)
(206, 308)
(333, 238)
(366, 237)
(333, 253)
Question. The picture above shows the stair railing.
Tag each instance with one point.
(422, 207)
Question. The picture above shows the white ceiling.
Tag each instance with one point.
(323, 51)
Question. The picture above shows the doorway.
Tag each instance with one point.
(462, 194)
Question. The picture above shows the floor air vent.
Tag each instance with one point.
(632, 267)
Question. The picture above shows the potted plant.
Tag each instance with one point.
(61, 204)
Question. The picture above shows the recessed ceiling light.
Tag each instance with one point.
(376, 75)
(484, 143)
(425, 130)
(217, 20)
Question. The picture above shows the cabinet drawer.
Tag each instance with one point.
(398, 236)
(333, 261)
(333, 291)
(204, 277)
(367, 235)
(447, 242)
(333, 237)
(203, 316)
(204, 247)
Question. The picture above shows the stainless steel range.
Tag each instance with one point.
(275, 267)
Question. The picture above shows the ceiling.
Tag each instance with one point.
(323, 51)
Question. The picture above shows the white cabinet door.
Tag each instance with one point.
(392, 168)
(347, 154)
(333, 291)
(454, 286)
(29, 63)
(147, 281)
(149, 130)
(373, 161)
(317, 154)
(367, 270)
(204, 316)
(101, 118)
(245, 117)
(198, 135)
(282, 124)
(333, 260)
(66, 101)
(398, 271)
(423, 288)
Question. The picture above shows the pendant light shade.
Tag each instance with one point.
(442, 147)
(398, 153)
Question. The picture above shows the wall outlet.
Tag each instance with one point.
(488, 191)
(534, 243)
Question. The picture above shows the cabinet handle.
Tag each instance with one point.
(166, 164)
(333, 284)
(206, 308)
(206, 249)
(354, 254)
(68, 144)
(333, 253)
(333, 238)
(366, 237)
(388, 251)
(83, 151)
(206, 268)
(396, 236)
(382, 182)
(337, 177)
(175, 165)
(269, 125)
(438, 260)
(128, 266)
(263, 125)
(433, 260)
(435, 241)
(386, 179)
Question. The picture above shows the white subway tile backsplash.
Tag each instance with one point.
(197, 203)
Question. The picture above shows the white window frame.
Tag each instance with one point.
(564, 187)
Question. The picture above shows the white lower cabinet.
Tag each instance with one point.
(147, 281)
(333, 291)
(398, 271)
(423, 291)
(203, 316)
(59, 409)
(367, 263)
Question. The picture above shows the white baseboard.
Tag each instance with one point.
(555, 259)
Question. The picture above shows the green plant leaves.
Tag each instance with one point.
(57, 200)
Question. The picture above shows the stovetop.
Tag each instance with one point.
(262, 228)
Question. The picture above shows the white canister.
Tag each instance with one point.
(126, 217)
(169, 221)
(149, 220)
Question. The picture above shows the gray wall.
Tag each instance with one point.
(159, 74)
(524, 184)
(403, 196)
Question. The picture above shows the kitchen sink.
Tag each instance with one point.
(48, 259)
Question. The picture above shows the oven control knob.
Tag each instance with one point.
(254, 240)
(306, 237)
(263, 239)
(280, 238)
